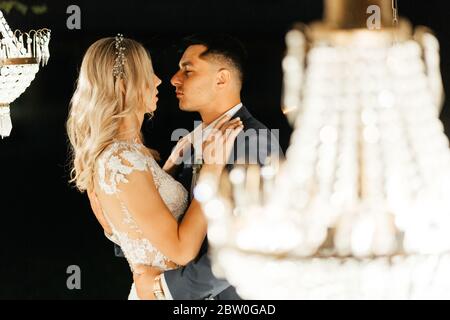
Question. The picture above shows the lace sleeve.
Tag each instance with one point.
(117, 162)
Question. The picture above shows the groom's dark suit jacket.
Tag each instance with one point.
(196, 280)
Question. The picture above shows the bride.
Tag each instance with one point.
(141, 204)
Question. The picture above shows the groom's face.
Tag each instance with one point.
(195, 81)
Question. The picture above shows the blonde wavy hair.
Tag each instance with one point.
(100, 103)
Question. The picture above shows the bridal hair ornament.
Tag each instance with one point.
(21, 54)
(119, 65)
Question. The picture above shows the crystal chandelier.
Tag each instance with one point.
(20, 57)
(359, 209)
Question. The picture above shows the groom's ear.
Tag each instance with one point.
(223, 77)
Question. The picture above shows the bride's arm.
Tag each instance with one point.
(179, 242)
(170, 167)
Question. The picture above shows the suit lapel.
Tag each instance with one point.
(243, 113)
(184, 174)
(245, 116)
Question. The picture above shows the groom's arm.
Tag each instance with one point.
(193, 282)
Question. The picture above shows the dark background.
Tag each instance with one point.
(46, 225)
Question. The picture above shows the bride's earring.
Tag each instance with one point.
(147, 124)
(149, 119)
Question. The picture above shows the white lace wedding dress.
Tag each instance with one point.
(113, 166)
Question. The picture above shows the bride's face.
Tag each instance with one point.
(151, 95)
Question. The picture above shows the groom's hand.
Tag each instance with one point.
(144, 280)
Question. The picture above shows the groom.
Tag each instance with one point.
(209, 81)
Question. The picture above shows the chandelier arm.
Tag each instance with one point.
(430, 46)
(293, 66)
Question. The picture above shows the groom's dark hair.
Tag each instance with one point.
(222, 46)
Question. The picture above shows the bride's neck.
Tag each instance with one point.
(128, 129)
